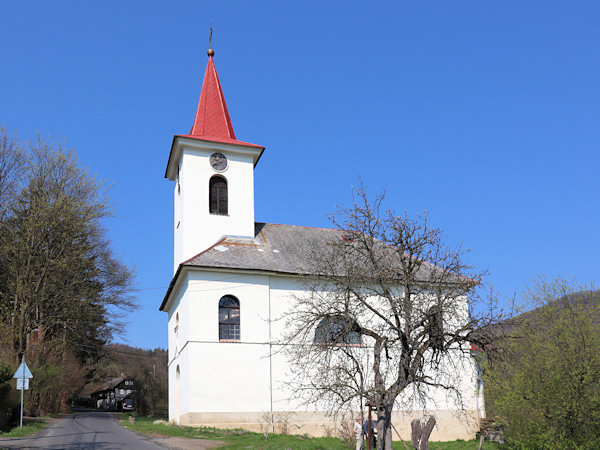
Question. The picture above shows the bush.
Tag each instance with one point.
(8, 403)
(53, 385)
(547, 382)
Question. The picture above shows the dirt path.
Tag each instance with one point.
(177, 443)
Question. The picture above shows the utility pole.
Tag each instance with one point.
(22, 390)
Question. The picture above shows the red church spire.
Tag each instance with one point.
(212, 118)
(211, 124)
(212, 121)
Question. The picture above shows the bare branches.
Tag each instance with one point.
(11, 164)
(398, 282)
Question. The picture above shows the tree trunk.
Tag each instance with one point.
(384, 428)
(420, 433)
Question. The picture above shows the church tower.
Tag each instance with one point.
(213, 174)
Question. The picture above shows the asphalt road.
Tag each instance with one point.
(84, 430)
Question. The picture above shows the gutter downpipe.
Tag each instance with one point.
(271, 364)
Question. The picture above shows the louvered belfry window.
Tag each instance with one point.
(218, 195)
(229, 318)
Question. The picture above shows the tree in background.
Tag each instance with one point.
(8, 400)
(545, 379)
(386, 318)
(61, 286)
(11, 166)
(148, 370)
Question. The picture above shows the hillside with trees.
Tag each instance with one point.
(147, 369)
(543, 379)
(63, 291)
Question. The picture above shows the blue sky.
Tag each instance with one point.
(486, 114)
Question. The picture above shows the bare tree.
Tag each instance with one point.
(385, 317)
(11, 166)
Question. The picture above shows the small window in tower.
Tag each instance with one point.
(218, 195)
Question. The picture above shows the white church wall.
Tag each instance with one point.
(230, 377)
(183, 400)
(284, 291)
(177, 225)
(460, 367)
(178, 321)
(178, 325)
(455, 419)
(206, 288)
(198, 229)
(230, 384)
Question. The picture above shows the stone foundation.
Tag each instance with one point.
(450, 425)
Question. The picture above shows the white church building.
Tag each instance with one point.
(232, 277)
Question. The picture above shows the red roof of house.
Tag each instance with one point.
(212, 121)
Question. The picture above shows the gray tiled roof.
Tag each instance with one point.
(275, 248)
(286, 249)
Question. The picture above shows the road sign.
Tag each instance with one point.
(23, 374)
(23, 371)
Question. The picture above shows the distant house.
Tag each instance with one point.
(110, 393)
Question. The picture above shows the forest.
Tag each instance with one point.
(63, 291)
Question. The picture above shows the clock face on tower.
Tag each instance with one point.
(218, 161)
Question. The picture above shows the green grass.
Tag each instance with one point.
(241, 439)
(454, 445)
(232, 438)
(30, 426)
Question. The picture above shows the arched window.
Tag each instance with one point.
(336, 329)
(229, 318)
(434, 326)
(218, 195)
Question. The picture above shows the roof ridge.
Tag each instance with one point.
(300, 226)
(203, 251)
(219, 140)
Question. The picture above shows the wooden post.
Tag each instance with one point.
(419, 437)
(369, 432)
(415, 435)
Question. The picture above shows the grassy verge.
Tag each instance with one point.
(30, 426)
(454, 445)
(248, 440)
(231, 438)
